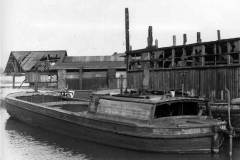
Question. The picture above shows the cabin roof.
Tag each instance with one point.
(155, 99)
(23, 61)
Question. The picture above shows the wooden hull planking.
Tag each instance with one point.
(57, 122)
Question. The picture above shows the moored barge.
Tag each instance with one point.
(145, 123)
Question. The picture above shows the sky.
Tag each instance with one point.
(96, 27)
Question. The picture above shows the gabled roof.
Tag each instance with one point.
(23, 61)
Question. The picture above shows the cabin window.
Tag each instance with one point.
(176, 109)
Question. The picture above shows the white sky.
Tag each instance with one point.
(96, 27)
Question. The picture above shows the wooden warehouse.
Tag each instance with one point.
(201, 69)
(34, 65)
(90, 72)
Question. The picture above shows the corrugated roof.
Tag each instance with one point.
(27, 60)
(91, 65)
(91, 62)
(72, 59)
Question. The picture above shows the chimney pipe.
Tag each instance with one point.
(199, 37)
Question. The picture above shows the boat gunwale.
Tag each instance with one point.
(154, 102)
(146, 125)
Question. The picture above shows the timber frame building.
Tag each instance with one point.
(34, 65)
(54, 69)
(202, 69)
(91, 72)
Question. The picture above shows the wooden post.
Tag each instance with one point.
(184, 50)
(62, 84)
(150, 37)
(173, 51)
(146, 78)
(81, 78)
(199, 40)
(203, 55)
(127, 29)
(13, 82)
(111, 78)
(156, 43)
(183, 57)
(215, 54)
(238, 49)
(127, 36)
(121, 84)
(184, 39)
(174, 40)
(229, 122)
(173, 58)
(194, 58)
(36, 81)
(218, 35)
(229, 57)
(127, 42)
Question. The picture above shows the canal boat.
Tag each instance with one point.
(151, 123)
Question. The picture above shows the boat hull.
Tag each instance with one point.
(191, 144)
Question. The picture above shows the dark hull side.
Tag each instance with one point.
(177, 145)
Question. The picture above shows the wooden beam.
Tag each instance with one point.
(173, 58)
(127, 37)
(203, 53)
(81, 78)
(215, 53)
(229, 57)
(127, 30)
(238, 49)
(13, 82)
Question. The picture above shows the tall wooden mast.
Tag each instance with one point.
(127, 35)
(127, 43)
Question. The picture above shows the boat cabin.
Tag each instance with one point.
(147, 109)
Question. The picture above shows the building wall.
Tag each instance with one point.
(43, 79)
(205, 82)
(62, 79)
(202, 69)
(89, 79)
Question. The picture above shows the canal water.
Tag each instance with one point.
(19, 141)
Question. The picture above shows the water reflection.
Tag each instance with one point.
(25, 142)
